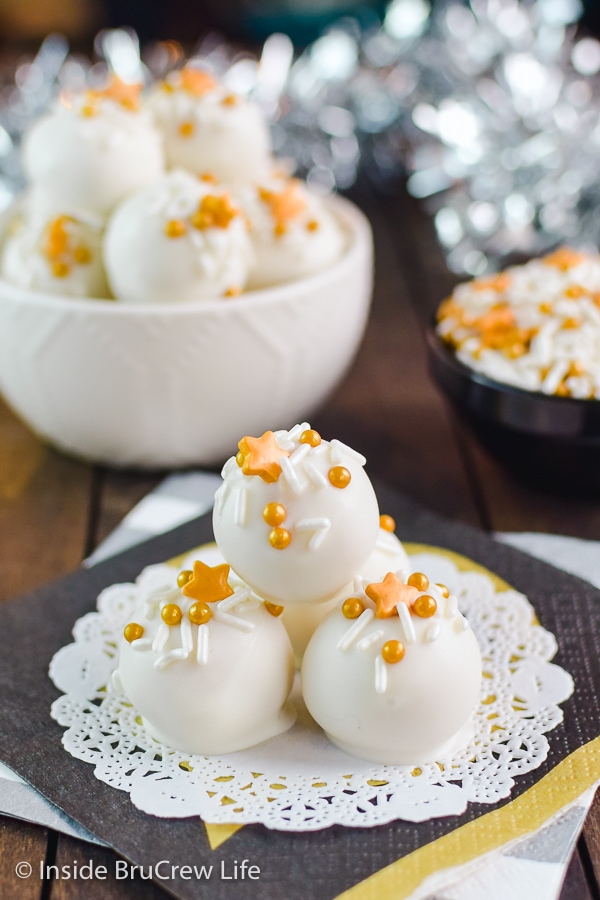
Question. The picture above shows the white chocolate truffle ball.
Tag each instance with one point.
(180, 239)
(209, 671)
(209, 130)
(296, 515)
(61, 256)
(301, 621)
(293, 232)
(398, 689)
(90, 155)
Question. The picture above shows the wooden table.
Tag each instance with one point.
(54, 510)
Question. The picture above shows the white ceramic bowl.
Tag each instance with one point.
(177, 385)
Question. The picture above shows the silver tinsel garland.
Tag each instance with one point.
(491, 110)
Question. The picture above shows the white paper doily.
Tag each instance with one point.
(299, 781)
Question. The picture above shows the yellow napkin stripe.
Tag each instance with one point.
(218, 834)
(564, 784)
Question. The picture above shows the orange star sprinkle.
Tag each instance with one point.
(57, 241)
(388, 593)
(196, 81)
(563, 258)
(128, 95)
(284, 205)
(214, 211)
(208, 583)
(260, 456)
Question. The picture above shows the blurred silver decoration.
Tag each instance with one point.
(491, 109)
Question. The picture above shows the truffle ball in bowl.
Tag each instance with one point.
(176, 384)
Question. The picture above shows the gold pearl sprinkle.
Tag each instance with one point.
(175, 228)
(229, 100)
(133, 632)
(183, 577)
(239, 458)
(418, 580)
(274, 513)
(392, 651)
(445, 591)
(186, 129)
(313, 225)
(273, 608)
(424, 606)
(234, 291)
(199, 613)
(352, 607)
(339, 476)
(171, 614)
(82, 255)
(387, 523)
(279, 538)
(60, 269)
(88, 111)
(310, 436)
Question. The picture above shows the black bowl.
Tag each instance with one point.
(550, 441)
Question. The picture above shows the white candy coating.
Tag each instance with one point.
(333, 530)
(213, 688)
(211, 130)
(145, 264)
(301, 621)
(293, 232)
(407, 713)
(62, 255)
(88, 163)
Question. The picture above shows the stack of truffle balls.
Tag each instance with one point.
(392, 670)
(168, 195)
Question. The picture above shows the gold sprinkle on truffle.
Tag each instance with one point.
(313, 225)
(214, 211)
(175, 228)
(339, 476)
(418, 580)
(60, 269)
(274, 513)
(171, 614)
(199, 613)
(133, 632)
(352, 607)
(186, 129)
(273, 608)
(229, 100)
(424, 606)
(387, 523)
(234, 291)
(82, 255)
(310, 436)
(208, 583)
(279, 538)
(393, 651)
(184, 576)
(444, 590)
(261, 456)
(88, 111)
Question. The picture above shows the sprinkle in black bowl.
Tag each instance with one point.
(548, 440)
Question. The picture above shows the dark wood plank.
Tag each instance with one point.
(23, 843)
(44, 509)
(106, 885)
(591, 839)
(575, 886)
(119, 491)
